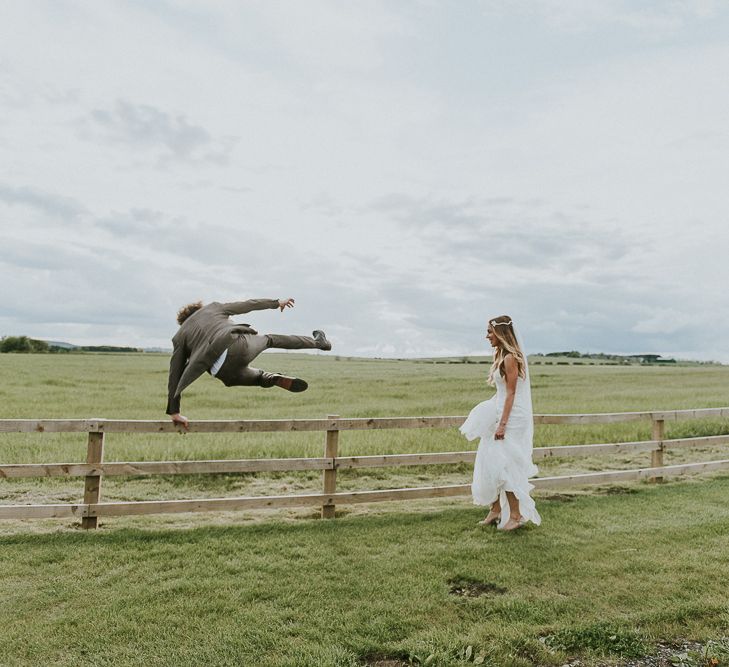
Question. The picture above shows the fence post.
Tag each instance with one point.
(659, 433)
(92, 483)
(331, 450)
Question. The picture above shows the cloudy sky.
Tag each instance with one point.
(404, 169)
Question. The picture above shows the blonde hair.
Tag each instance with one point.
(188, 310)
(503, 329)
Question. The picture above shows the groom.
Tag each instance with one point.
(208, 341)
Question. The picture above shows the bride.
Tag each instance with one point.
(505, 425)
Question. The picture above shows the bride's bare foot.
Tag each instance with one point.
(491, 518)
(514, 523)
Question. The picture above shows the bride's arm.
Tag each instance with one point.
(512, 372)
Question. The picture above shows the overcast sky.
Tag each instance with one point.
(404, 169)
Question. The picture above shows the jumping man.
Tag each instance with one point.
(208, 341)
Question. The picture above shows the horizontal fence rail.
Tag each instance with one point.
(228, 426)
(222, 466)
(95, 469)
(336, 423)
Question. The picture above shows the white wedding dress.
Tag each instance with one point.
(504, 465)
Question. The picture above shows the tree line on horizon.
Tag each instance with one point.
(26, 344)
(643, 358)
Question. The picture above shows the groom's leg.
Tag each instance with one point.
(235, 370)
(285, 342)
(249, 346)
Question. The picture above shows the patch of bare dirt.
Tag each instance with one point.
(470, 588)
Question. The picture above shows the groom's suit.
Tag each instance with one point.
(208, 332)
(202, 338)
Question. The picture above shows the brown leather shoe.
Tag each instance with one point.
(290, 384)
(321, 340)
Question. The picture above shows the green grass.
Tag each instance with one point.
(133, 386)
(637, 567)
(611, 571)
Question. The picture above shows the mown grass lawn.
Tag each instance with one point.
(611, 571)
(605, 575)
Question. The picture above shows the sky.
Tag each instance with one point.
(404, 169)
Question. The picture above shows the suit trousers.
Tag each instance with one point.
(236, 371)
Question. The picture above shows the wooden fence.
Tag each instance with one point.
(95, 469)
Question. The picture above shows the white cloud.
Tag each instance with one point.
(404, 170)
(665, 321)
(655, 19)
(146, 127)
(53, 205)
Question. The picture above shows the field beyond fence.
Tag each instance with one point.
(94, 469)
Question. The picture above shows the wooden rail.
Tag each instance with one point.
(332, 423)
(95, 468)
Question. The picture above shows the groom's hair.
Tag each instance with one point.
(188, 310)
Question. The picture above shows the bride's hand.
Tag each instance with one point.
(500, 432)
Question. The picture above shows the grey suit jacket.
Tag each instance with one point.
(201, 339)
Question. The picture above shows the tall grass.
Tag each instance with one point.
(133, 386)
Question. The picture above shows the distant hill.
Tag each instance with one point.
(103, 348)
(61, 344)
(620, 358)
(57, 346)
(576, 359)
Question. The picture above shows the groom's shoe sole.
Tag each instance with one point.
(291, 384)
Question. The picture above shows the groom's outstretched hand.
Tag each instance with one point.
(285, 303)
(180, 420)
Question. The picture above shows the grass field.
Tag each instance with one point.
(611, 572)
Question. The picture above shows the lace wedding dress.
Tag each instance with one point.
(504, 465)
